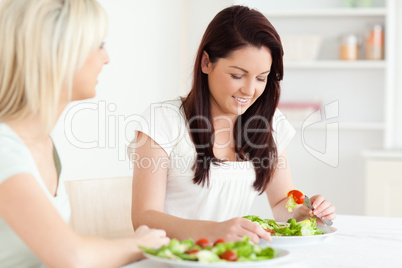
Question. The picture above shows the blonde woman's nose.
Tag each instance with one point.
(106, 58)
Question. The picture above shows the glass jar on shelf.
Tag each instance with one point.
(349, 47)
(375, 43)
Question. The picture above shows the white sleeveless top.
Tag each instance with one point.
(230, 192)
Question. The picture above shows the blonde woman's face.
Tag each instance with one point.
(86, 78)
(237, 81)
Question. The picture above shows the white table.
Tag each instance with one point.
(361, 241)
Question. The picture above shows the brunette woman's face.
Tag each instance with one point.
(237, 81)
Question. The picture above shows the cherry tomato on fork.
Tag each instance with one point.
(203, 242)
(297, 196)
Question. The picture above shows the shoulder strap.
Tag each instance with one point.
(57, 162)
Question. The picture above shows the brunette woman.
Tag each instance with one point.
(200, 161)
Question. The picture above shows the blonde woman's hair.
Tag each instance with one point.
(42, 43)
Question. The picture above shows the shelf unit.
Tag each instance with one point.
(327, 61)
(344, 126)
(335, 64)
(333, 12)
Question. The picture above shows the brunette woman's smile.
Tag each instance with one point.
(242, 101)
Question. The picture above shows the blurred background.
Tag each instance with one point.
(341, 92)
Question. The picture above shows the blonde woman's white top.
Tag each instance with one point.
(15, 158)
(230, 192)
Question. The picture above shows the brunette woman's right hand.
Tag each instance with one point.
(150, 238)
(235, 229)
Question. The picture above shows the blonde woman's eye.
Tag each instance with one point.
(235, 76)
(102, 45)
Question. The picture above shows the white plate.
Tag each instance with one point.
(283, 254)
(300, 240)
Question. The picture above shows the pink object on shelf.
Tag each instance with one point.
(298, 111)
(299, 105)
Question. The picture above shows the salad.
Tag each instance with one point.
(219, 251)
(290, 228)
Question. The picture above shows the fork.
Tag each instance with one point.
(308, 204)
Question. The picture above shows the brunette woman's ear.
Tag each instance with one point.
(206, 65)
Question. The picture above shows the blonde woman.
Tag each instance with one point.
(51, 53)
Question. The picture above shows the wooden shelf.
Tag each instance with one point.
(382, 154)
(333, 12)
(343, 126)
(335, 64)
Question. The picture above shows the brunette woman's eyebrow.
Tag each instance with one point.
(247, 71)
(239, 68)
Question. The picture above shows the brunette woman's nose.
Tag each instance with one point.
(248, 88)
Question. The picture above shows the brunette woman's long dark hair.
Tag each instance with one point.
(234, 28)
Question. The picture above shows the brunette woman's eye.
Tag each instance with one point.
(235, 76)
(261, 79)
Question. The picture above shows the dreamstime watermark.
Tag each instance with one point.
(116, 131)
(111, 131)
(330, 155)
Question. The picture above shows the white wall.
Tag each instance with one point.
(197, 15)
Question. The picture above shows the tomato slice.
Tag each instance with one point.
(270, 231)
(203, 242)
(220, 240)
(193, 251)
(297, 196)
(229, 255)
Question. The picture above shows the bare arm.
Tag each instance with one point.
(277, 190)
(278, 187)
(149, 188)
(22, 201)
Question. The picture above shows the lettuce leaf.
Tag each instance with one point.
(291, 203)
